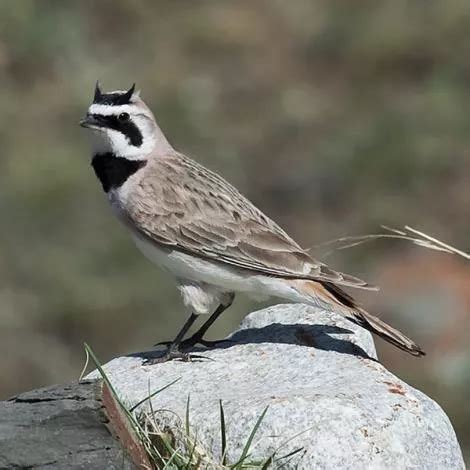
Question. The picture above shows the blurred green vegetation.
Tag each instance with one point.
(333, 117)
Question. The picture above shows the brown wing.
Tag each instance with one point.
(180, 203)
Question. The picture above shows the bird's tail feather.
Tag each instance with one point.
(385, 331)
(333, 295)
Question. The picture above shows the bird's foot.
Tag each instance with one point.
(174, 354)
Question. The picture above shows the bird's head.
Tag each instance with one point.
(121, 123)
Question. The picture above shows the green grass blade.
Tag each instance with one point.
(152, 412)
(268, 463)
(223, 434)
(169, 462)
(191, 454)
(291, 455)
(246, 449)
(179, 460)
(151, 395)
(97, 363)
(132, 420)
(295, 436)
(186, 421)
(106, 379)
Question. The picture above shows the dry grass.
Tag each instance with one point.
(408, 233)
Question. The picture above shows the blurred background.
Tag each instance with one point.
(333, 118)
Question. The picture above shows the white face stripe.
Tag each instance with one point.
(110, 140)
(108, 110)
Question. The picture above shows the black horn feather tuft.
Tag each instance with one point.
(115, 98)
(128, 95)
(98, 94)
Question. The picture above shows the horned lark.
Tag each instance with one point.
(191, 222)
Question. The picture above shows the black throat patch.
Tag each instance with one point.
(113, 171)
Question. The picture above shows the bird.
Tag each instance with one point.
(195, 225)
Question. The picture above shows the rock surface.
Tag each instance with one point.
(318, 374)
(59, 427)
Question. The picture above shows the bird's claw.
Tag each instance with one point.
(175, 354)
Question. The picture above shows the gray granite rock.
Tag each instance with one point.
(58, 428)
(319, 375)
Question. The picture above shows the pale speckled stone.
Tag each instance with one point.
(317, 373)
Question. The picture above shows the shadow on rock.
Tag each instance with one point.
(314, 336)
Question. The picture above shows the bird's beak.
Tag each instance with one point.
(89, 121)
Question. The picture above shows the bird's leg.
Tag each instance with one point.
(198, 337)
(174, 349)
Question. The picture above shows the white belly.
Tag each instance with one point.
(229, 279)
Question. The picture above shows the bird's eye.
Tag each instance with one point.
(123, 117)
